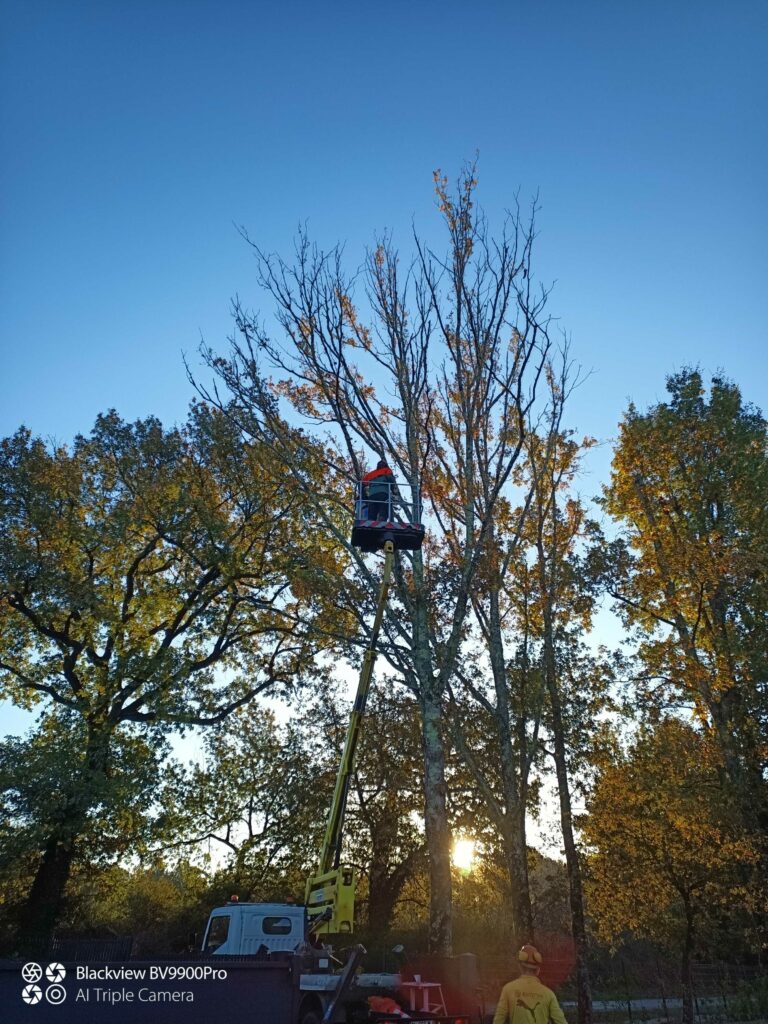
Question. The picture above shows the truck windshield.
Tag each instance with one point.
(218, 930)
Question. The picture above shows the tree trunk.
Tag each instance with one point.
(573, 866)
(437, 830)
(46, 895)
(382, 897)
(508, 811)
(516, 859)
(686, 976)
(436, 826)
(384, 888)
(513, 831)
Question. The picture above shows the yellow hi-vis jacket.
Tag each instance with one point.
(526, 1001)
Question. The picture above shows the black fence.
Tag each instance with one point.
(91, 950)
(75, 950)
(641, 991)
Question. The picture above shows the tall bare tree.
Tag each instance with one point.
(445, 360)
(563, 606)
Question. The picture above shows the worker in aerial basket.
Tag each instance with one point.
(526, 1000)
(379, 488)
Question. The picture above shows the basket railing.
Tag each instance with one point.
(376, 504)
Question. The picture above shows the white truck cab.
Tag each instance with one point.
(242, 929)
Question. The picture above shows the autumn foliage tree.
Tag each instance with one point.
(255, 804)
(135, 566)
(668, 850)
(385, 837)
(258, 801)
(689, 488)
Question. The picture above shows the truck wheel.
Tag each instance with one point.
(310, 1017)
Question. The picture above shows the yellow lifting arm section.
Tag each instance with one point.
(330, 893)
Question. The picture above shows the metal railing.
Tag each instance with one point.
(387, 505)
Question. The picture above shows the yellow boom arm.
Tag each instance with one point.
(330, 894)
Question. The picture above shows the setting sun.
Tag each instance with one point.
(464, 854)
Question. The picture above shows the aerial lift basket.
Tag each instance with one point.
(384, 518)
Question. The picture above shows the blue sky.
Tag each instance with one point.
(135, 134)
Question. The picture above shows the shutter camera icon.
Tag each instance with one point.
(31, 994)
(31, 972)
(55, 973)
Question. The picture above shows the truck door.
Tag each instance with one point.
(217, 937)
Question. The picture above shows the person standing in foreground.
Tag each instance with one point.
(526, 1000)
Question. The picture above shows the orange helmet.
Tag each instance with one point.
(530, 955)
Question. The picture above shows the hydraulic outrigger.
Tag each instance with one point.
(330, 893)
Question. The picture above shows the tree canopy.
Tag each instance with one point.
(668, 850)
(690, 488)
(142, 584)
